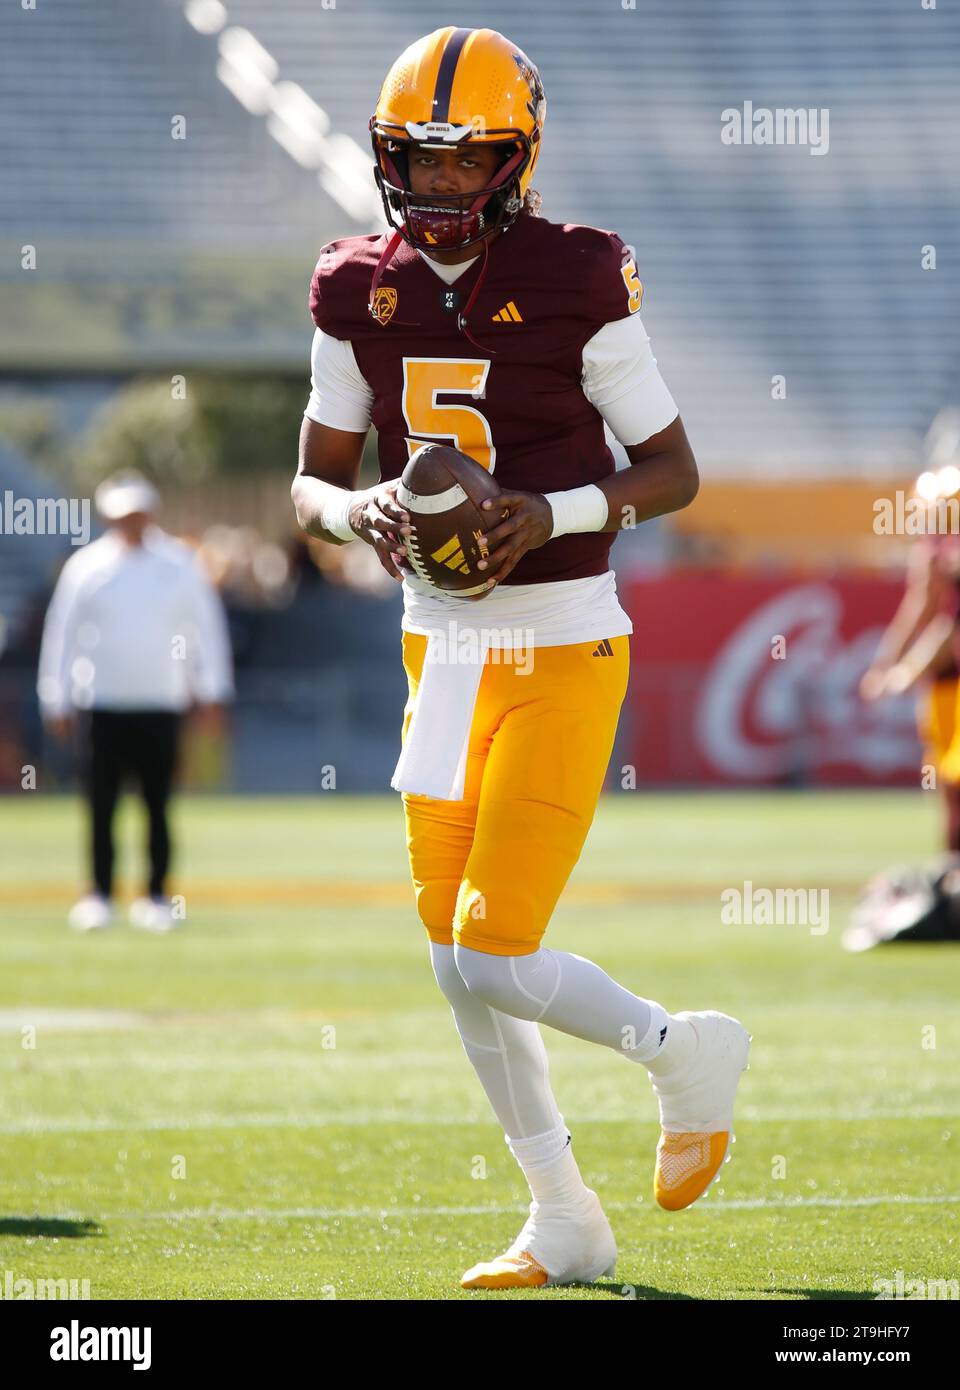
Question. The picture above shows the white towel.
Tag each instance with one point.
(433, 761)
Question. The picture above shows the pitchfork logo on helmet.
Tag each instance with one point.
(452, 88)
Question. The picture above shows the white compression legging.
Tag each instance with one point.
(497, 1002)
(507, 1053)
(566, 992)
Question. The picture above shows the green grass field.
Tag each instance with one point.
(273, 1102)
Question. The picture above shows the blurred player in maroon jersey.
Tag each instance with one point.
(476, 322)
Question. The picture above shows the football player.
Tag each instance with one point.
(475, 322)
(918, 650)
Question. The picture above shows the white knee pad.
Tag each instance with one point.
(522, 986)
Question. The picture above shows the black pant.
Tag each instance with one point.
(142, 742)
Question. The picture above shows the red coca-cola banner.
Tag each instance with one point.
(747, 679)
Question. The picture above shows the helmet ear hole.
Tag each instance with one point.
(505, 152)
(400, 156)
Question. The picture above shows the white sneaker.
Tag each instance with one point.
(152, 914)
(696, 1109)
(558, 1245)
(90, 913)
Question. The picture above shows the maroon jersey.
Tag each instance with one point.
(515, 404)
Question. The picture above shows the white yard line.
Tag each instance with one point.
(285, 1120)
(406, 1213)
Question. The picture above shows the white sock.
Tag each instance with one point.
(550, 1168)
(676, 1049)
(510, 1060)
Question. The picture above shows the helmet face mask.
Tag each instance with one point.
(449, 221)
(453, 89)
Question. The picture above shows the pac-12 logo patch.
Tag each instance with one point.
(384, 305)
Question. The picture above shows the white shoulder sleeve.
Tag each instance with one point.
(339, 396)
(621, 379)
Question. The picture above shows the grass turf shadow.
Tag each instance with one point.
(54, 1227)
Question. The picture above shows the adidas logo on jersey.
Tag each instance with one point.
(604, 648)
(508, 314)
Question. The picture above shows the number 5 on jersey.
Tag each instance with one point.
(426, 378)
(632, 281)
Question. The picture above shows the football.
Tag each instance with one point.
(443, 489)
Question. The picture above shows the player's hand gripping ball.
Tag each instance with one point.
(466, 534)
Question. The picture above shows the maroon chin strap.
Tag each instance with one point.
(387, 255)
(462, 317)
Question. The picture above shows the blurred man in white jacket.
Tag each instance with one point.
(135, 634)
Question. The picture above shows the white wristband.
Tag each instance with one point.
(335, 514)
(579, 509)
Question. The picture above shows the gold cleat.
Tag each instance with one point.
(696, 1109)
(506, 1272)
(686, 1166)
(574, 1245)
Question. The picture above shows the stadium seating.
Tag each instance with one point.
(757, 261)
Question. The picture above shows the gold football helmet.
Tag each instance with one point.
(456, 87)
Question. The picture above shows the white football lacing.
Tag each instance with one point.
(415, 556)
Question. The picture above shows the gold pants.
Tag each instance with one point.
(488, 870)
(939, 727)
